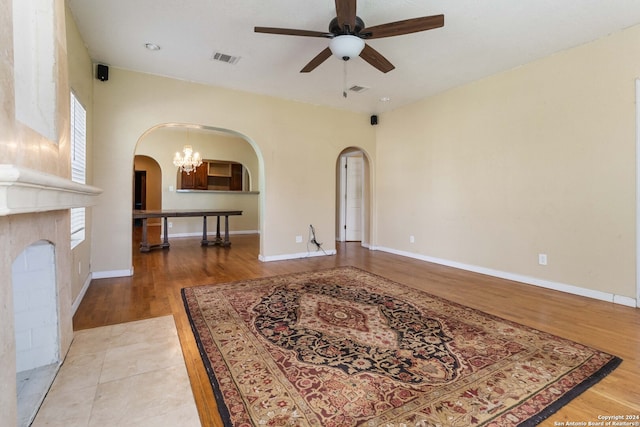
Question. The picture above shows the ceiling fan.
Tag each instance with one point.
(348, 32)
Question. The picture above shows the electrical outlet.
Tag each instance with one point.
(171, 188)
(542, 259)
(412, 239)
(170, 224)
(298, 239)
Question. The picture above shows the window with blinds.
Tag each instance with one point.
(78, 165)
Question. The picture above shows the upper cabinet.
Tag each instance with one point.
(195, 180)
(216, 175)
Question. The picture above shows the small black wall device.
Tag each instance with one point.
(374, 120)
(102, 73)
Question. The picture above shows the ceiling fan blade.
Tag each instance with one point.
(407, 26)
(292, 32)
(346, 13)
(319, 59)
(376, 59)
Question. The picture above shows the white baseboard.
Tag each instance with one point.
(112, 273)
(78, 300)
(296, 256)
(629, 302)
(212, 233)
(548, 284)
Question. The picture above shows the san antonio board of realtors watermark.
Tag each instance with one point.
(604, 421)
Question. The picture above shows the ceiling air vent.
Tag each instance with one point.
(223, 57)
(358, 89)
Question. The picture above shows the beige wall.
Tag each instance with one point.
(540, 159)
(297, 146)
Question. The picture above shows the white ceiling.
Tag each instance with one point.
(479, 38)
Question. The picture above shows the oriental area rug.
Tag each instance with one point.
(344, 347)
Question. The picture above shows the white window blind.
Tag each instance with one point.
(78, 165)
(78, 141)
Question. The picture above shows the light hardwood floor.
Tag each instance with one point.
(154, 290)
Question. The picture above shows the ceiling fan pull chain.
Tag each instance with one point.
(344, 79)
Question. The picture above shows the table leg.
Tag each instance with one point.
(165, 241)
(144, 244)
(204, 241)
(226, 231)
(218, 238)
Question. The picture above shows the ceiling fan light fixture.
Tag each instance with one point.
(346, 46)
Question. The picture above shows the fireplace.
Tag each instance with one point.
(37, 327)
(35, 310)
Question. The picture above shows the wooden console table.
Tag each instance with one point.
(174, 213)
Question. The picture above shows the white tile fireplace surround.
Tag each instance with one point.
(36, 297)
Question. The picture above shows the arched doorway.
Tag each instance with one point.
(147, 185)
(216, 147)
(353, 204)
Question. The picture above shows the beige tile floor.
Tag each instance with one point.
(131, 374)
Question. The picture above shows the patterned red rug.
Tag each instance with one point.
(344, 347)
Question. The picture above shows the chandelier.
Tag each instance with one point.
(187, 162)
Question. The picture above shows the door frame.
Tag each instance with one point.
(638, 193)
(140, 187)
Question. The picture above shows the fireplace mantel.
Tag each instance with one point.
(24, 190)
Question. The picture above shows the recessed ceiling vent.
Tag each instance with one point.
(358, 89)
(223, 57)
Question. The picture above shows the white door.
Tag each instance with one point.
(353, 199)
